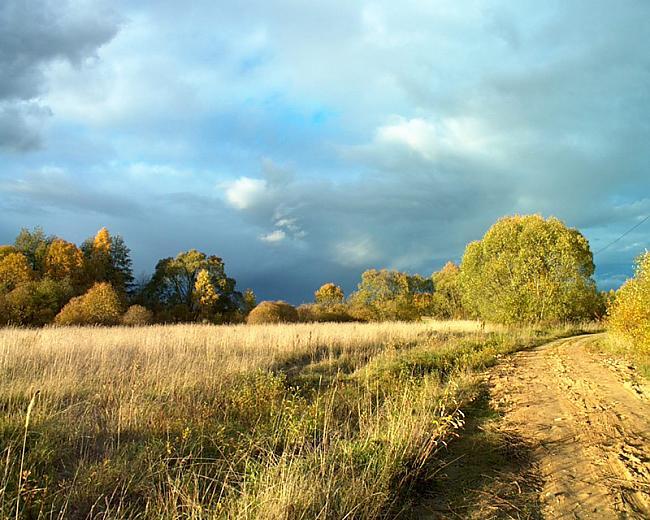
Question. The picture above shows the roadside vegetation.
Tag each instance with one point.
(628, 319)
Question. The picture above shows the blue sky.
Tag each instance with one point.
(307, 141)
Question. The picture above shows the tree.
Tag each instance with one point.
(37, 302)
(15, 269)
(34, 245)
(249, 300)
(529, 269)
(446, 301)
(64, 260)
(390, 295)
(174, 286)
(273, 312)
(108, 260)
(6, 250)
(329, 294)
(99, 306)
(205, 295)
(629, 312)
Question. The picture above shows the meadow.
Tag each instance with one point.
(242, 421)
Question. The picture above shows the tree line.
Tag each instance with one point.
(525, 269)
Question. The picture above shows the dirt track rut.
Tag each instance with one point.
(588, 421)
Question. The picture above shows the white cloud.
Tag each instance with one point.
(274, 237)
(245, 192)
(452, 135)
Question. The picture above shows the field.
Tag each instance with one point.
(269, 421)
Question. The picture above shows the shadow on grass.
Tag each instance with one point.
(488, 472)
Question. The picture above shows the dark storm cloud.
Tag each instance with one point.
(34, 33)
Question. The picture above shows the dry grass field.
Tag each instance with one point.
(268, 421)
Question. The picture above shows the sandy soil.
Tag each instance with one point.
(587, 418)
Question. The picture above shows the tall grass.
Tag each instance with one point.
(194, 421)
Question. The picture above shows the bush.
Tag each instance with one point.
(273, 312)
(137, 315)
(629, 312)
(310, 312)
(99, 306)
(37, 302)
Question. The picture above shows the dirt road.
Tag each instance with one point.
(587, 420)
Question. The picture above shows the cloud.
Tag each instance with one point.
(348, 135)
(51, 189)
(34, 34)
(20, 125)
(275, 236)
(245, 192)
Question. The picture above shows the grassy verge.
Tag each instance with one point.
(314, 421)
(488, 472)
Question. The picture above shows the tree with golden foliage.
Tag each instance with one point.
(205, 295)
(64, 260)
(329, 294)
(99, 306)
(108, 260)
(14, 270)
(629, 312)
(6, 250)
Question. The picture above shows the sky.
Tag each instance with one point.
(304, 142)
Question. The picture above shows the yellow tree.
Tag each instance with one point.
(99, 306)
(629, 312)
(6, 250)
(329, 294)
(205, 294)
(14, 270)
(102, 242)
(64, 260)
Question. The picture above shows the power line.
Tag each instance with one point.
(623, 235)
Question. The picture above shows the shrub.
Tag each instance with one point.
(273, 312)
(37, 302)
(629, 312)
(99, 306)
(310, 312)
(137, 315)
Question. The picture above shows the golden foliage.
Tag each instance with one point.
(204, 291)
(329, 294)
(63, 260)
(99, 306)
(629, 312)
(102, 242)
(14, 270)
